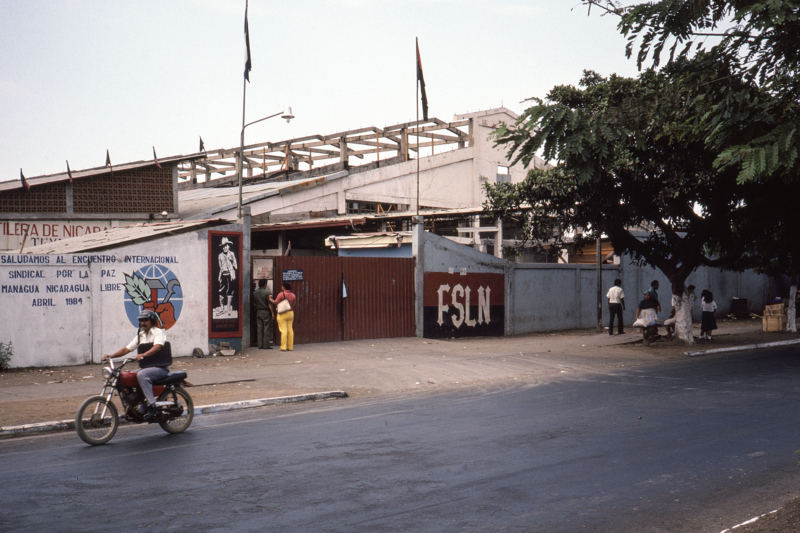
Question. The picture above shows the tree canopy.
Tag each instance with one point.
(759, 40)
(628, 168)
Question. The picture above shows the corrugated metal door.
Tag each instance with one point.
(379, 300)
(380, 297)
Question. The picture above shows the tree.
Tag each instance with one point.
(760, 41)
(630, 168)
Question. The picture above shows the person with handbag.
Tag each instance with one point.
(284, 306)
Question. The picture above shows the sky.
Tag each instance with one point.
(79, 77)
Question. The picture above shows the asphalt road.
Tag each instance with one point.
(693, 445)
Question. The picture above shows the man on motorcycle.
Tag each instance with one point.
(153, 360)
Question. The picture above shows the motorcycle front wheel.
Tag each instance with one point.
(96, 420)
(180, 413)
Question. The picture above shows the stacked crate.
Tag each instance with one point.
(774, 318)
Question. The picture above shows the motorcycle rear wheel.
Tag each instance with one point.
(181, 399)
(96, 420)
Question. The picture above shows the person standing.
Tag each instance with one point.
(264, 315)
(285, 316)
(708, 322)
(616, 304)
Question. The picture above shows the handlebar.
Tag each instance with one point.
(125, 359)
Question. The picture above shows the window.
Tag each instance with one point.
(503, 174)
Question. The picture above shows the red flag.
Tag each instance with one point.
(155, 158)
(421, 81)
(24, 181)
(69, 173)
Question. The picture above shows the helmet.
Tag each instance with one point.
(149, 314)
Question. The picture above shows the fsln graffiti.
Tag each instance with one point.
(463, 310)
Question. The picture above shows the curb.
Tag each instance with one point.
(746, 347)
(65, 425)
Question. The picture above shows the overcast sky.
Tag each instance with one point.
(78, 77)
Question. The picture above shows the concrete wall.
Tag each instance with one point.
(552, 297)
(74, 308)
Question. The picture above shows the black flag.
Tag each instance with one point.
(421, 81)
(247, 63)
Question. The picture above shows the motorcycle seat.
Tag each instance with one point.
(172, 377)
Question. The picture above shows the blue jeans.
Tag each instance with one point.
(146, 377)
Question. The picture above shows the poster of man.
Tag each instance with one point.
(225, 287)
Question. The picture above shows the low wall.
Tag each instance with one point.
(552, 297)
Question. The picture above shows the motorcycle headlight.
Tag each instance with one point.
(107, 372)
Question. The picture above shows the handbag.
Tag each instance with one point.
(283, 306)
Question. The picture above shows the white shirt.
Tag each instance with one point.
(708, 306)
(615, 295)
(155, 335)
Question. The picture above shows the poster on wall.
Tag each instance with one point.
(224, 284)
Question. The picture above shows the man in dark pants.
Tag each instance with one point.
(264, 314)
(616, 304)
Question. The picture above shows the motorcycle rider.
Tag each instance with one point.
(154, 359)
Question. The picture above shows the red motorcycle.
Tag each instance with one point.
(97, 418)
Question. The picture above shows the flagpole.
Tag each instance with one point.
(416, 100)
(241, 146)
(244, 102)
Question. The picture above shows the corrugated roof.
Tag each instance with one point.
(354, 220)
(116, 237)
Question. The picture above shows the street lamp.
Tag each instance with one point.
(285, 114)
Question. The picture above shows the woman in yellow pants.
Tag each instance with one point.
(285, 318)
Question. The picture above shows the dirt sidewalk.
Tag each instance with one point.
(379, 366)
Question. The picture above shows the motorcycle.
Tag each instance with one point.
(97, 418)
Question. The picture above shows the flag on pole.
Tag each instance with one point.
(24, 181)
(247, 62)
(155, 157)
(69, 173)
(421, 81)
(202, 146)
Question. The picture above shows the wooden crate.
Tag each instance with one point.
(773, 323)
(774, 310)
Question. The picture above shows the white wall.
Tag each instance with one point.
(46, 309)
(84, 296)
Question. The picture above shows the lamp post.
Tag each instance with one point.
(285, 114)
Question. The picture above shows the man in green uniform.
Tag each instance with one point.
(264, 314)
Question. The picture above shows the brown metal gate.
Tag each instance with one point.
(350, 298)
